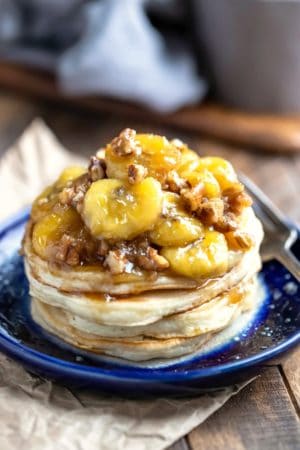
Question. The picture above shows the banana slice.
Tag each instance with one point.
(43, 204)
(157, 154)
(46, 201)
(114, 210)
(69, 174)
(194, 172)
(201, 259)
(188, 155)
(49, 230)
(221, 169)
(176, 227)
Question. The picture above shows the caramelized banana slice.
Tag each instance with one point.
(175, 227)
(155, 153)
(115, 210)
(194, 172)
(221, 169)
(201, 259)
(188, 155)
(69, 174)
(47, 200)
(49, 230)
(43, 204)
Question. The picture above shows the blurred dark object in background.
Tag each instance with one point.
(106, 47)
(253, 53)
(37, 31)
(150, 51)
(142, 58)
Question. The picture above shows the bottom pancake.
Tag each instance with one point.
(210, 316)
(198, 324)
(52, 319)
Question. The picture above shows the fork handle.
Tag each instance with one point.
(286, 257)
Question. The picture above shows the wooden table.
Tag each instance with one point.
(265, 415)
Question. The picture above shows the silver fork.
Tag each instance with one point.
(279, 235)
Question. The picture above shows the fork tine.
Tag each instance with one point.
(268, 212)
(264, 203)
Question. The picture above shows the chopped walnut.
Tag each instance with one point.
(66, 196)
(96, 169)
(193, 197)
(238, 240)
(136, 173)
(68, 251)
(63, 248)
(226, 223)
(239, 202)
(73, 257)
(233, 190)
(125, 143)
(210, 211)
(236, 198)
(74, 195)
(103, 248)
(117, 262)
(175, 183)
(152, 261)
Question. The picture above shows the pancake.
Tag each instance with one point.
(134, 310)
(95, 279)
(144, 308)
(210, 316)
(145, 254)
(141, 348)
(53, 320)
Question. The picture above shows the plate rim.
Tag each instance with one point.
(32, 357)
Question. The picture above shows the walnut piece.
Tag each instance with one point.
(136, 173)
(103, 248)
(238, 240)
(152, 260)
(193, 197)
(233, 190)
(73, 195)
(226, 223)
(210, 211)
(239, 202)
(125, 143)
(96, 169)
(117, 262)
(73, 257)
(175, 183)
(68, 251)
(236, 199)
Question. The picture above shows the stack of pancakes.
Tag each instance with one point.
(138, 318)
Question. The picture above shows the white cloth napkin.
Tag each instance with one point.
(38, 414)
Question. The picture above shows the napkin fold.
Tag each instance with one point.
(36, 413)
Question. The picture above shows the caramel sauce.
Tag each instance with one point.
(61, 237)
(236, 296)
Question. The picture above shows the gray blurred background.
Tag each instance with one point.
(163, 54)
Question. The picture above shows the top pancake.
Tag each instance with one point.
(98, 280)
(135, 309)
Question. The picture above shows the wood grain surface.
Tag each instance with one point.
(265, 415)
(264, 131)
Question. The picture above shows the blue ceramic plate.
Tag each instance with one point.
(269, 334)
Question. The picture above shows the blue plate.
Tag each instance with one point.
(273, 331)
